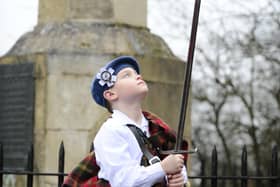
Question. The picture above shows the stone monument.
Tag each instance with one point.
(71, 41)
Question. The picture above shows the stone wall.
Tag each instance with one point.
(102, 11)
(65, 111)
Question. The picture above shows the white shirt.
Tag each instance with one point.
(118, 154)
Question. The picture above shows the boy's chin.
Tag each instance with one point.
(142, 95)
(145, 92)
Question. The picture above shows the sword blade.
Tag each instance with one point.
(188, 71)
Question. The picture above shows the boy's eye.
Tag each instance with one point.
(126, 75)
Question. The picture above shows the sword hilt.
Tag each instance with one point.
(168, 152)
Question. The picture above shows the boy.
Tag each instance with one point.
(120, 88)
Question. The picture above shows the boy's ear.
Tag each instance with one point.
(110, 95)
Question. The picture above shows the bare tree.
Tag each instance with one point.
(236, 79)
(239, 79)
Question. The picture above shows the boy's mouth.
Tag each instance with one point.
(140, 82)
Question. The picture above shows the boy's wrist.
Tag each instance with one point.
(164, 169)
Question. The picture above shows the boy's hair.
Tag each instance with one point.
(106, 78)
(108, 106)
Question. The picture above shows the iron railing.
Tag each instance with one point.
(273, 177)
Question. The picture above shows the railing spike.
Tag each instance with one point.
(274, 165)
(30, 158)
(1, 164)
(91, 147)
(61, 158)
(214, 168)
(244, 169)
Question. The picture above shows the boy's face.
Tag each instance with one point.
(129, 85)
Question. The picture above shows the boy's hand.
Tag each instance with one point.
(173, 163)
(176, 180)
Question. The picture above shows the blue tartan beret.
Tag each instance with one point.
(106, 77)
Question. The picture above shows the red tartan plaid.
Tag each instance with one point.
(162, 136)
(85, 174)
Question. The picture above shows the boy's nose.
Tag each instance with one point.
(139, 77)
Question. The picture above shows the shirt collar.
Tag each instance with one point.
(124, 119)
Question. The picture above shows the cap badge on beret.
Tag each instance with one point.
(106, 77)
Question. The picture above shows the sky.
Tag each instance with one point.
(16, 18)
(20, 16)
